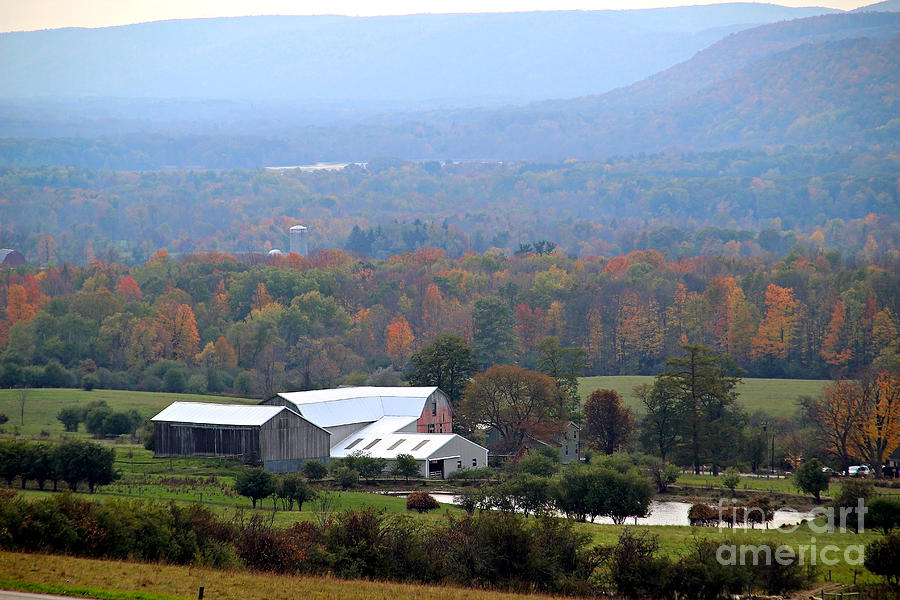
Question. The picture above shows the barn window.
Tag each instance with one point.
(474, 462)
(431, 428)
(420, 444)
(355, 442)
(459, 464)
(397, 443)
(372, 443)
(433, 407)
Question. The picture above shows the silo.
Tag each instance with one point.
(299, 244)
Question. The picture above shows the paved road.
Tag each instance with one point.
(4, 595)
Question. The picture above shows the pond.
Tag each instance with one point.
(669, 512)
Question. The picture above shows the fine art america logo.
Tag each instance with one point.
(841, 519)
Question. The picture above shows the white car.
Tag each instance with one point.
(858, 471)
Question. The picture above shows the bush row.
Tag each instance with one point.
(72, 462)
(495, 550)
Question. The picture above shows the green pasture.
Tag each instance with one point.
(675, 541)
(42, 405)
(776, 397)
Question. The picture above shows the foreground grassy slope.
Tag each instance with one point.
(42, 405)
(122, 580)
(777, 397)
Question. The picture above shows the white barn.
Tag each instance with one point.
(384, 422)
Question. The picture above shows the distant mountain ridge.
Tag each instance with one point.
(736, 51)
(821, 83)
(504, 57)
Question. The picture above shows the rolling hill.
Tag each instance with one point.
(824, 82)
(465, 57)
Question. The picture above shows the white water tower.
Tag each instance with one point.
(298, 237)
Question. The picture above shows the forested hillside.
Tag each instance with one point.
(749, 204)
(214, 323)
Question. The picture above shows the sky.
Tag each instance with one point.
(27, 15)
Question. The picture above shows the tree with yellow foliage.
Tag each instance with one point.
(877, 433)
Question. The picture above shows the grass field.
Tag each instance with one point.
(42, 405)
(777, 397)
(125, 581)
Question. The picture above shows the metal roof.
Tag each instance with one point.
(347, 393)
(342, 406)
(248, 415)
(422, 446)
(387, 425)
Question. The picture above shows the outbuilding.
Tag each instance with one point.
(11, 258)
(274, 436)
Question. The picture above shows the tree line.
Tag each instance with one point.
(73, 462)
(213, 323)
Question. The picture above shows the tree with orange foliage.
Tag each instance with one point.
(877, 433)
(398, 341)
(432, 311)
(834, 351)
(517, 403)
(177, 329)
(18, 307)
(130, 289)
(225, 354)
(261, 297)
(777, 332)
(837, 414)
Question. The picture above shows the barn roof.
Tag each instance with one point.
(248, 415)
(364, 404)
(11, 257)
(421, 446)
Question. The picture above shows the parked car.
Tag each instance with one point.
(828, 470)
(858, 471)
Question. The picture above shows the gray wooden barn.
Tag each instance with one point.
(274, 436)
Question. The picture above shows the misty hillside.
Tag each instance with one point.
(734, 52)
(493, 58)
(825, 82)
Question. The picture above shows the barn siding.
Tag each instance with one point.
(437, 413)
(289, 436)
(191, 439)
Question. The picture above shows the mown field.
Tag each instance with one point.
(777, 397)
(42, 405)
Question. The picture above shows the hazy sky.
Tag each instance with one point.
(19, 15)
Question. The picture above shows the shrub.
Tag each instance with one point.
(536, 463)
(174, 381)
(344, 476)
(703, 514)
(883, 558)
(70, 417)
(196, 384)
(634, 567)
(314, 469)
(664, 475)
(811, 479)
(731, 479)
(421, 502)
(254, 483)
(89, 382)
(884, 514)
